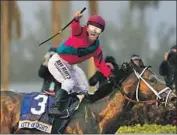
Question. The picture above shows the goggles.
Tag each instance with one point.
(95, 29)
(136, 58)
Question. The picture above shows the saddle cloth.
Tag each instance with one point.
(34, 112)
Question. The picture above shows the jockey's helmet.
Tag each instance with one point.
(97, 21)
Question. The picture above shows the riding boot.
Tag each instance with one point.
(60, 104)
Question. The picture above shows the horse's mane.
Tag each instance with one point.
(125, 70)
(122, 71)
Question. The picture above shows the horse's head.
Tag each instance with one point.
(145, 85)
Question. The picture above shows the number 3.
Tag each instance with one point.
(42, 105)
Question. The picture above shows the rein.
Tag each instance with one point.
(115, 85)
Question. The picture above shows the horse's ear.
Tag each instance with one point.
(145, 67)
(149, 66)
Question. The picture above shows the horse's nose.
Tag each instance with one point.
(173, 97)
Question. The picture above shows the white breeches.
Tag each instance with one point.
(71, 77)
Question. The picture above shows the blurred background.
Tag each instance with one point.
(145, 28)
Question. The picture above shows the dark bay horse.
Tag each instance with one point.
(100, 117)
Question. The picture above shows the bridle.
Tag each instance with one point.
(158, 94)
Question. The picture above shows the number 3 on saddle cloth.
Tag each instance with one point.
(34, 113)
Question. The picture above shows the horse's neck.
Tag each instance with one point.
(99, 117)
(107, 110)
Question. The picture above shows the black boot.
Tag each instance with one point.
(61, 97)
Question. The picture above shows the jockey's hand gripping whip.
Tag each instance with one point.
(62, 28)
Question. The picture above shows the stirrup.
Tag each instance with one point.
(67, 114)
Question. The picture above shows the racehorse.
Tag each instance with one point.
(103, 114)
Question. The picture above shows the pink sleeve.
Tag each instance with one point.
(100, 63)
(76, 28)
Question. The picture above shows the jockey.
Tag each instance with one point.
(50, 85)
(80, 46)
(136, 61)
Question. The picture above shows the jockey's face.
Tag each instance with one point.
(136, 62)
(93, 32)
